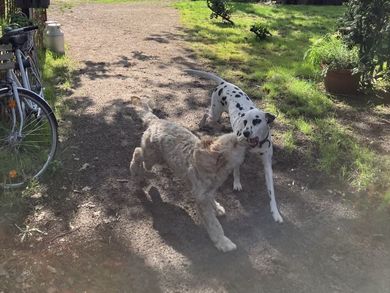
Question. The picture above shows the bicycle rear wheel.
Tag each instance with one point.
(26, 156)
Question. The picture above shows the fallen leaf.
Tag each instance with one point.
(51, 269)
(84, 167)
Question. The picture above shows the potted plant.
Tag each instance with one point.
(339, 64)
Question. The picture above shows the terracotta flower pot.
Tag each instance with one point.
(341, 81)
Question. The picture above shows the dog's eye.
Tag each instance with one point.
(245, 122)
(256, 121)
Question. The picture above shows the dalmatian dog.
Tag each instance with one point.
(249, 124)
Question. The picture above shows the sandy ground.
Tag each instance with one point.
(106, 235)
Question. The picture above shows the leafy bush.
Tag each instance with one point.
(261, 31)
(331, 52)
(366, 24)
(220, 8)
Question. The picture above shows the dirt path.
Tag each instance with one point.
(112, 238)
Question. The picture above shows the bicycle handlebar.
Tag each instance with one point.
(13, 32)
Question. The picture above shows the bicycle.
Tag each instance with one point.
(28, 126)
(26, 53)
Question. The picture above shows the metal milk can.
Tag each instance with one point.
(53, 37)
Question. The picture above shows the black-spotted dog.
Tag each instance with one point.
(248, 123)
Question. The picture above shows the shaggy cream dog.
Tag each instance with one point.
(204, 164)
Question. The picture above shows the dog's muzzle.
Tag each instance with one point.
(253, 141)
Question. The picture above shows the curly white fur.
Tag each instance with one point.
(205, 164)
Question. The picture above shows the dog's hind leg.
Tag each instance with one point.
(213, 227)
(214, 113)
(267, 162)
(136, 164)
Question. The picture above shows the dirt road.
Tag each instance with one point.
(105, 235)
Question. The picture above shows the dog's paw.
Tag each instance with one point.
(237, 186)
(220, 210)
(277, 217)
(225, 245)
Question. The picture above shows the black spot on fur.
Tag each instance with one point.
(251, 108)
(245, 122)
(242, 115)
(225, 86)
(247, 98)
(238, 105)
(241, 93)
(257, 116)
(236, 88)
(223, 98)
(256, 121)
(220, 91)
(261, 154)
(233, 92)
(237, 96)
(222, 103)
(222, 83)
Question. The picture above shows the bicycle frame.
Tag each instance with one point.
(14, 88)
(19, 59)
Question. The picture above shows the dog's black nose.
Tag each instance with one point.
(246, 133)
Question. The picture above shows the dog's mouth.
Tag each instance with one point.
(253, 141)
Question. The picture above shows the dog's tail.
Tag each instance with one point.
(143, 109)
(205, 74)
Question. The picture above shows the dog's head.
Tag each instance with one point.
(254, 126)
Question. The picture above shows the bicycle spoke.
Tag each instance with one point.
(35, 129)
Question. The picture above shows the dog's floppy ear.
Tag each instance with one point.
(270, 117)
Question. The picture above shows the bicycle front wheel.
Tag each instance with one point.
(26, 148)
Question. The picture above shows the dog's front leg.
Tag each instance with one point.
(213, 227)
(136, 168)
(267, 163)
(203, 121)
(236, 179)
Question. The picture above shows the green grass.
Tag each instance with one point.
(274, 70)
(57, 71)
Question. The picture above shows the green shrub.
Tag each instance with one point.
(261, 31)
(366, 24)
(331, 52)
(220, 8)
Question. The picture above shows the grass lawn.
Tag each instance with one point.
(275, 72)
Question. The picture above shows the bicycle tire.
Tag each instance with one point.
(26, 157)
